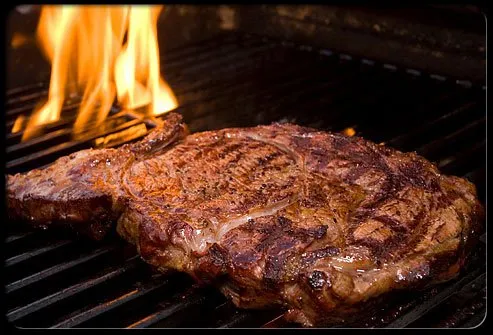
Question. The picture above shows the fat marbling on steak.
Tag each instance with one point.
(275, 215)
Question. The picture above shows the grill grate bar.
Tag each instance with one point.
(63, 124)
(277, 322)
(239, 317)
(431, 126)
(65, 147)
(27, 108)
(36, 277)
(224, 78)
(18, 237)
(460, 163)
(23, 89)
(249, 318)
(30, 254)
(473, 128)
(64, 135)
(39, 140)
(401, 115)
(471, 296)
(72, 290)
(204, 47)
(86, 314)
(193, 299)
(198, 68)
(26, 97)
(425, 307)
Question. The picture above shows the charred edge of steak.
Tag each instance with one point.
(440, 269)
(169, 131)
(92, 217)
(325, 293)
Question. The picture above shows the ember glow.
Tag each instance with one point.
(349, 131)
(100, 53)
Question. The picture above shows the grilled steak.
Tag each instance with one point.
(275, 215)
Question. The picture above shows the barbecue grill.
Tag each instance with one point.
(236, 78)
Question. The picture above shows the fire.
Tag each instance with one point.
(100, 53)
(349, 131)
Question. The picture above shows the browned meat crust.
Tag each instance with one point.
(279, 214)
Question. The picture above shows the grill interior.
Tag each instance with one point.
(54, 279)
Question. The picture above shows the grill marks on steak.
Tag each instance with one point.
(216, 194)
(215, 182)
(276, 214)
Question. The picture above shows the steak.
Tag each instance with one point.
(275, 215)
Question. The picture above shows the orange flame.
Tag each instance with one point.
(349, 131)
(85, 45)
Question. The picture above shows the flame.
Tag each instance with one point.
(85, 45)
(349, 131)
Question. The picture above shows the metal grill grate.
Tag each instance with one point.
(55, 280)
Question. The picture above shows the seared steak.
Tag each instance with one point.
(275, 215)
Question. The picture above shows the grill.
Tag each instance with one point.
(54, 279)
